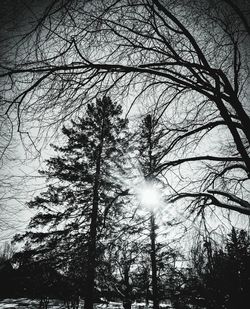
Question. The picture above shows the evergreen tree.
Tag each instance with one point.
(150, 156)
(83, 184)
(220, 276)
(238, 263)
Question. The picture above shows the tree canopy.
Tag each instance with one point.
(187, 59)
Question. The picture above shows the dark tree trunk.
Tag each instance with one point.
(127, 303)
(147, 296)
(152, 220)
(153, 262)
(147, 291)
(90, 283)
(232, 128)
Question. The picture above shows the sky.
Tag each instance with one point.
(19, 167)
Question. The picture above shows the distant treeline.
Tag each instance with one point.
(34, 280)
(216, 277)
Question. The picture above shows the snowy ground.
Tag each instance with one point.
(21, 303)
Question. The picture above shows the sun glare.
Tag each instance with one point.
(149, 196)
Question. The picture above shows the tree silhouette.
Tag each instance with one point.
(150, 138)
(220, 274)
(83, 187)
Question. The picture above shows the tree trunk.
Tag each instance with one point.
(232, 128)
(90, 284)
(147, 292)
(152, 223)
(127, 302)
(153, 262)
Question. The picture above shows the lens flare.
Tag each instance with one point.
(149, 196)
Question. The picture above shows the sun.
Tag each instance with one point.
(149, 196)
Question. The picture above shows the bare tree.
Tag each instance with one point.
(190, 58)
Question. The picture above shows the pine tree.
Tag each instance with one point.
(82, 187)
(219, 277)
(150, 154)
(238, 261)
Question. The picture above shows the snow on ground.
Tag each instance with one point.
(21, 303)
